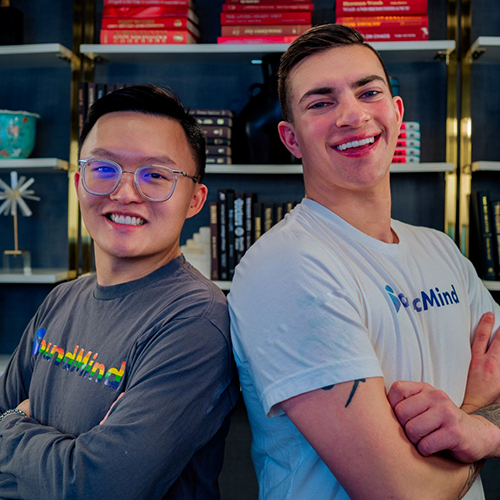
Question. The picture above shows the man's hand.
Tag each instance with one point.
(25, 406)
(483, 379)
(433, 423)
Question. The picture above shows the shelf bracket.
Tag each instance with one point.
(443, 55)
(477, 54)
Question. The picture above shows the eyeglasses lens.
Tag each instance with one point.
(101, 177)
(155, 182)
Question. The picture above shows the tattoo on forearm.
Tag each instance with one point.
(354, 388)
(490, 413)
(473, 473)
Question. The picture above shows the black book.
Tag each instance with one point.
(82, 105)
(223, 248)
(258, 223)
(495, 212)
(239, 227)
(214, 150)
(481, 236)
(218, 160)
(250, 199)
(214, 240)
(231, 255)
(211, 112)
(218, 141)
(214, 120)
(268, 218)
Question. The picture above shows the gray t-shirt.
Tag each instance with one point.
(163, 341)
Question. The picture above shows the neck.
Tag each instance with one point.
(115, 271)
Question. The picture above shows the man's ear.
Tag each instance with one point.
(77, 181)
(287, 136)
(197, 200)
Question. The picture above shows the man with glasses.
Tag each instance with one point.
(123, 382)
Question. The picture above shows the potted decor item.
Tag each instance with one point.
(17, 133)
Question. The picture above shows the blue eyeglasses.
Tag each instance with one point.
(153, 182)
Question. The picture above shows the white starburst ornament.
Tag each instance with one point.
(14, 196)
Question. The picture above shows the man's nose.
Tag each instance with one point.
(126, 192)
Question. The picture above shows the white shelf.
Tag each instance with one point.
(38, 276)
(147, 54)
(493, 286)
(35, 55)
(396, 168)
(223, 285)
(40, 164)
(486, 166)
(485, 49)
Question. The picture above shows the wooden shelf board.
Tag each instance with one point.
(35, 55)
(124, 54)
(43, 164)
(37, 276)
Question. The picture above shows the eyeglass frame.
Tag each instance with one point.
(175, 173)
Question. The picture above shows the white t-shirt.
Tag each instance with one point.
(316, 302)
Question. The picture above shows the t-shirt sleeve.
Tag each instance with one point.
(297, 323)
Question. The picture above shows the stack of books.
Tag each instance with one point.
(149, 22)
(408, 145)
(264, 21)
(217, 126)
(385, 20)
(237, 220)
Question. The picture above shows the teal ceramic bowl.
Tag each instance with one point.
(17, 134)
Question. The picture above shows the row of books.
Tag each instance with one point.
(385, 20)
(146, 22)
(264, 21)
(408, 145)
(217, 125)
(237, 220)
(484, 235)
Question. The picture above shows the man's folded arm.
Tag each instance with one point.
(354, 430)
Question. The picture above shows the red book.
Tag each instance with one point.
(394, 34)
(251, 7)
(380, 7)
(255, 39)
(186, 3)
(234, 18)
(408, 143)
(384, 21)
(159, 23)
(146, 37)
(265, 30)
(265, 2)
(406, 159)
(149, 12)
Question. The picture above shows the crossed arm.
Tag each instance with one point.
(353, 428)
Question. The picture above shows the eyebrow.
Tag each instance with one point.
(109, 155)
(332, 90)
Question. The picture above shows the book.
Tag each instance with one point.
(239, 227)
(258, 225)
(153, 37)
(215, 120)
(211, 112)
(223, 230)
(384, 21)
(188, 3)
(228, 18)
(408, 143)
(91, 95)
(495, 214)
(150, 12)
(268, 218)
(380, 7)
(158, 23)
(410, 126)
(409, 134)
(481, 237)
(231, 262)
(250, 200)
(265, 30)
(214, 240)
(221, 131)
(406, 159)
(254, 39)
(214, 150)
(266, 2)
(218, 160)
(394, 34)
(407, 152)
(101, 90)
(270, 7)
(82, 105)
(218, 141)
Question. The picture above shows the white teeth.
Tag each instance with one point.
(355, 144)
(127, 221)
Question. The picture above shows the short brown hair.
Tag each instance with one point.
(313, 41)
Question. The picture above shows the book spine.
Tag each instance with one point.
(239, 227)
(218, 141)
(214, 241)
(218, 150)
(185, 3)
(265, 30)
(384, 21)
(394, 34)
(254, 39)
(407, 152)
(215, 120)
(218, 160)
(112, 37)
(101, 90)
(382, 7)
(495, 213)
(82, 105)
(481, 241)
(406, 159)
(409, 134)
(216, 131)
(160, 23)
(231, 18)
(258, 225)
(250, 199)
(410, 126)
(268, 218)
(211, 112)
(148, 12)
(265, 2)
(408, 143)
(223, 248)
(231, 255)
(273, 7)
